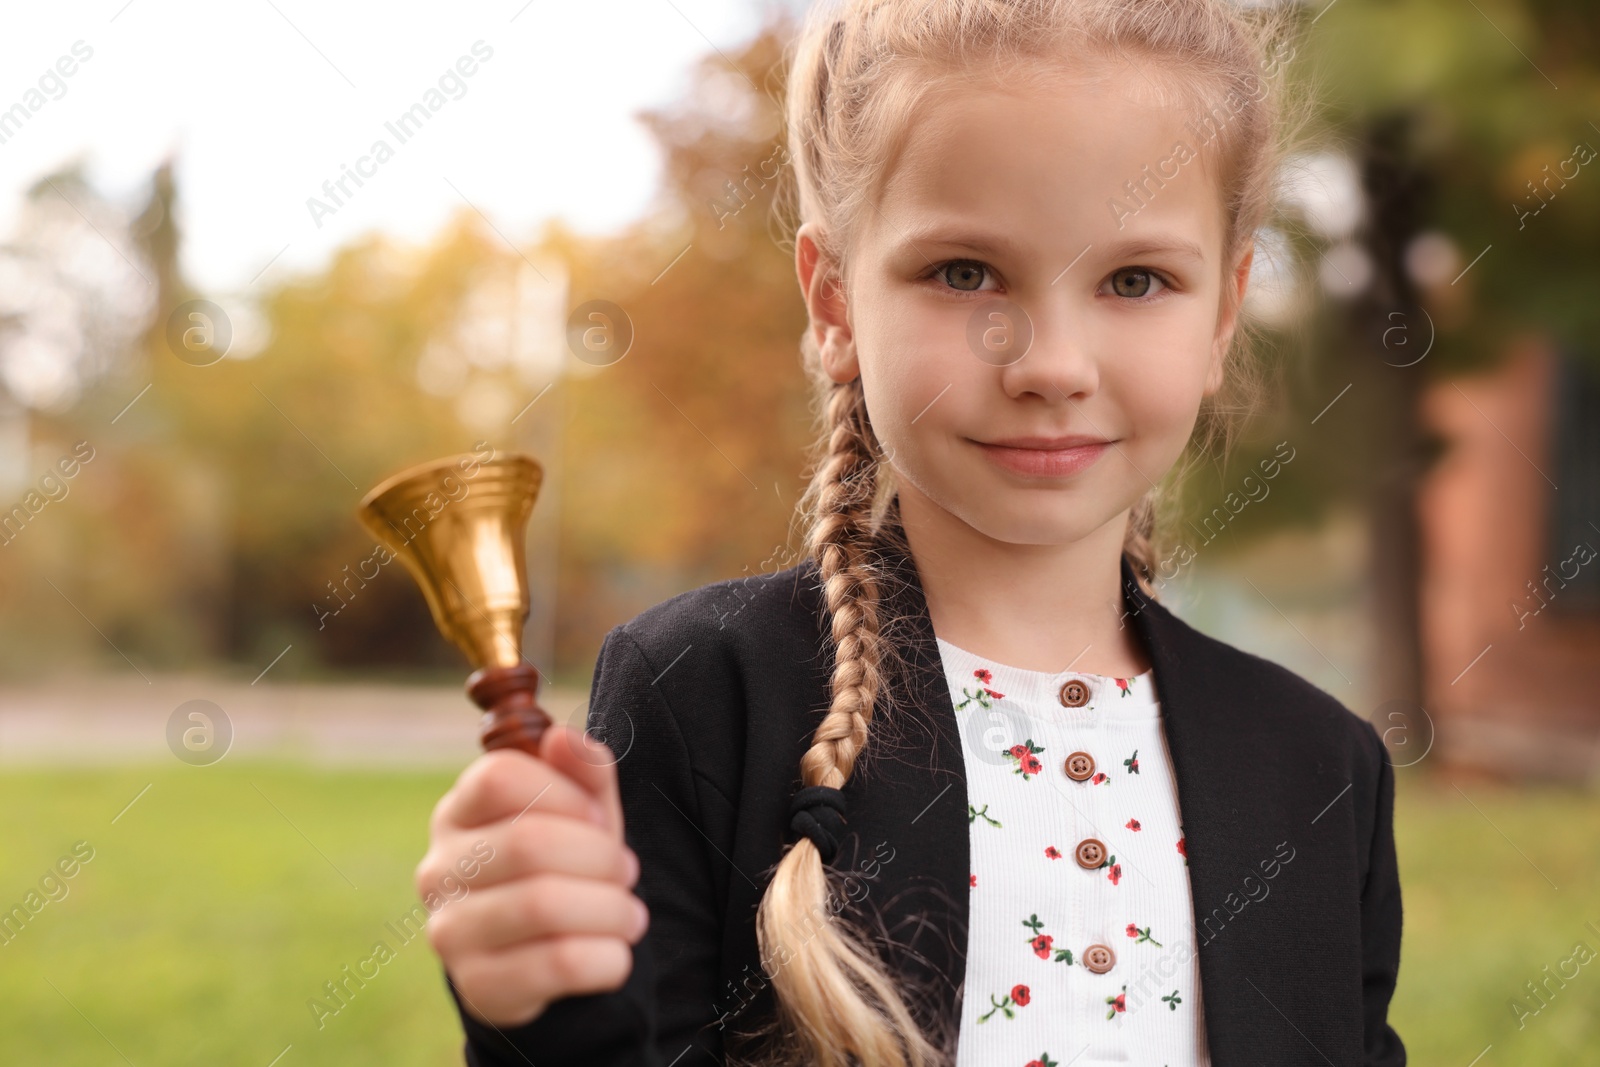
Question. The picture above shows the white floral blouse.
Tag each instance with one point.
(1081, 940)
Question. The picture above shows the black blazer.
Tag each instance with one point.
(711, 697)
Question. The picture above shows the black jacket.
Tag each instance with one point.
(711, 697)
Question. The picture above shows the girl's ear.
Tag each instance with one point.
(825, 304)
(1228, 320)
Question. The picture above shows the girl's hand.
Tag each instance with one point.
(549, 912)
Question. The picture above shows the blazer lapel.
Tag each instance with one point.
(1218, 746)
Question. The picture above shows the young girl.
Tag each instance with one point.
(956, 788)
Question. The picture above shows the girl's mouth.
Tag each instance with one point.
(1044, 460)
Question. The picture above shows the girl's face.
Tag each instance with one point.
(1023, 196)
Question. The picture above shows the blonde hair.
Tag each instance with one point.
(857, 70)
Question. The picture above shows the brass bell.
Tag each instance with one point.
(458, 524)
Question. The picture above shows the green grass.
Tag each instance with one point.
(1492, 896)
(206, 919)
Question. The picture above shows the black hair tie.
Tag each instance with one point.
(818, 812)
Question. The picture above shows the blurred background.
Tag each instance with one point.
(255, 258)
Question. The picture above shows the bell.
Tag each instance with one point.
(458, 525)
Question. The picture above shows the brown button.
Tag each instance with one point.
(1099, 958)
(1091, 853)
(1080, 765)
(1074, 693)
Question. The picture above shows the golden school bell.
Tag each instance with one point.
(458, 525)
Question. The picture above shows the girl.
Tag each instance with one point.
(956, 788)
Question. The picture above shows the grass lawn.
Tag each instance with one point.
(214, 908)
(217, 904)
(1493, 896)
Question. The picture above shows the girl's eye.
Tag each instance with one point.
(963, 275)
(1135, 282)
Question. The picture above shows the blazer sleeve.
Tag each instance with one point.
(654, 1018)
(1380, 923)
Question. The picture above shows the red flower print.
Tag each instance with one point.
(1115, 873)
(1118, 1003)
(1181, 851)
(1142, 935)
(974, 879)
(1018, 997)
(1044, 1060)
(1099, 778)
(1132, 762)
(1051, 852)
(1041, 943)
(984, 693)
(1027, 762)
(1133, 824)
(1122, 684)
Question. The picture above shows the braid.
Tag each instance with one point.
(838, 542)
(833, 993)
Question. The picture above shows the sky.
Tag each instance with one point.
(262, 102)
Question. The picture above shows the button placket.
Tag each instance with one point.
(1091, 910)
(1087, 910)
(1105, 900)
(1106, 903)
(1077, 1011)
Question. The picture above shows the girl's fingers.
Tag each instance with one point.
(532, 844)
(537, 908)
(511, 987)
(505, 784)
(529, 879)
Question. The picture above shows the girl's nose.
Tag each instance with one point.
(1046, 351)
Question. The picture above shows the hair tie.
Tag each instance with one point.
(817, 812)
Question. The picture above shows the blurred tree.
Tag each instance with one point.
(684, 459)
(222, 522)
(1471, 128)
(75, 292)
(223, 519)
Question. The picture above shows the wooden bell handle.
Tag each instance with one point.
(512, 718)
